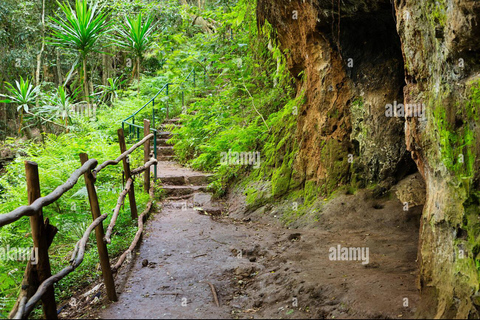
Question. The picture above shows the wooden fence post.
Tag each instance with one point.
(126, 168)
(40, 240)
(146, 155)
(99, 233)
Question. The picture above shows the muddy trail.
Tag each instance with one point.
(201, 258)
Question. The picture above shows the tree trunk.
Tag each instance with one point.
(5, 131)
(104, 69)
(134, 71)
(92, 93)
(21, 121)
(59, 69)
(85, 85)
(138, 68)
(39, 56)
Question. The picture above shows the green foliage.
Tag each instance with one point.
(98, 138)
(109, 92)
(23, 94)
(247, 105)
(59, 106)
(81, 28)
(135, 37)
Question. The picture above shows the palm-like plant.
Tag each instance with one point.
(109, 92)
(135, 37)
(23, 94)
(60, 106)
(79, 31)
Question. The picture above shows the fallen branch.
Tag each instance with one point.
(41, 202)
(253, 104)
(138, 235)
(46, 120)
(116, 211)
(214, 293)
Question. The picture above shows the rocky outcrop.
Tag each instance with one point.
(352, 67)
(411, 191)
(441, 45)
(387, 82)
(6, 156)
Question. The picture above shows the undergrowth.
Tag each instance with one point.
(57, 158)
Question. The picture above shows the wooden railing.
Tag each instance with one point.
(38, 281)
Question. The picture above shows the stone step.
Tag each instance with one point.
(177, 191)
(200, 179)
(172, 180)
(164, 135)
(165, 158)
(166, 151)
(186, 180)
(173, 121)
(162, 143)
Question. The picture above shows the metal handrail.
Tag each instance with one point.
(134, 127)
(146, 104)
(165, 86)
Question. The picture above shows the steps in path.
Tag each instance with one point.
(177, 181)
(165, 151)
(177, 255)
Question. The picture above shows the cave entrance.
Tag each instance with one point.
(370, 48)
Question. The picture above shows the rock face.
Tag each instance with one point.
(441, 45)
(387, 82)
(411, 190)
(353, 67)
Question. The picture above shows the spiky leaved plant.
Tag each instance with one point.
(23, 94)
(135, 38)
(79, 31)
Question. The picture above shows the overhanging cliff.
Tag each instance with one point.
(394, 86)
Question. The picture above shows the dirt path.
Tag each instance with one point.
(261, 270)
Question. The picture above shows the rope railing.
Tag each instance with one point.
(64, 272)
(38, 285)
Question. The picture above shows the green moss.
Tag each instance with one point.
(310, 192)
(334, 156)
(467, 248)
(281, 178)
(457, 145)
(251, 194)
(437, 13)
